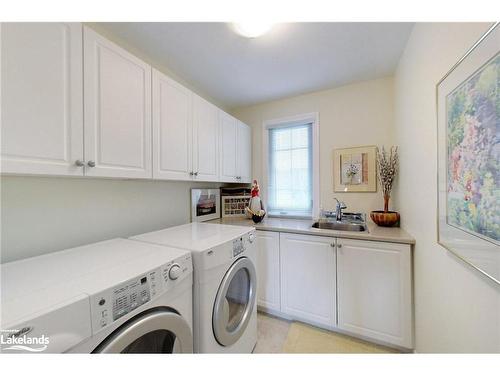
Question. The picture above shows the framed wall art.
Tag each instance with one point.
(354, 169)
(468, 122)
(205, 204)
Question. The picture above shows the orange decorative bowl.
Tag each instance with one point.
(385, 219)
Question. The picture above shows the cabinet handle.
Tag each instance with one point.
(79, 163)
(332, 245)
(91, 164)
(339, 245)
(191, 173)
(196, 173)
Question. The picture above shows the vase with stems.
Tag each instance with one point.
(388, 163)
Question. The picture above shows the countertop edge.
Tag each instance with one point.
(402, 238)
(330, 233)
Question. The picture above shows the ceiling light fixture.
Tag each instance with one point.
(252, 29)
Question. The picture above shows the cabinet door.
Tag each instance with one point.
(268, 270)
(205, 140)
(374, 290)
(41, 98)
(308, 278)
(117, 110)
(244, 153)
(172, 129)
(228, 150)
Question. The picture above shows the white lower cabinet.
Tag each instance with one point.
(354, 286)
(308, 278)
(375, 290)
(268, 270)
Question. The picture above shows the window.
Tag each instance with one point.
(290, 168)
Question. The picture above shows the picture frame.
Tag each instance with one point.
(355, 169)
(205, 204)
(468, 204)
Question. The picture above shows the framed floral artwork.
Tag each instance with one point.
(354, 169)
(468, 113)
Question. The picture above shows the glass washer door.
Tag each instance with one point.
(158, 330)
(234, 302)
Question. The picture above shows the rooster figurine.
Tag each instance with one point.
(255, 209)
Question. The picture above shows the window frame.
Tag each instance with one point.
(301, 119)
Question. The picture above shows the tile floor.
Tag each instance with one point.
(281, 336)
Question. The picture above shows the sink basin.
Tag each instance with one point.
(350, 227)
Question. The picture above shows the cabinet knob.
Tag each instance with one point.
(91, 163)
(79, 163)
(332, 245)
(339, 245)
(196, 173)
(191, 173)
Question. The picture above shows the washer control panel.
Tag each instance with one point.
(241, 244)
(122, 299)
(131, 295)
(238, 246)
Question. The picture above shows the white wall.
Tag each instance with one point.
(359, 114)
(457, 309)
(45, 214)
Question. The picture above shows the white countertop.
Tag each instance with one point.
(33, 286)
(196, 237)
(300, 226)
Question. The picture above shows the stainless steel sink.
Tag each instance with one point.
(350, 227)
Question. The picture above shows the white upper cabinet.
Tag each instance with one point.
(229, 148)
(41, 98)
(244, 153)
(172, 129)
(205, 140)
(308, 278)
(235, 153)
(74, 103)
(117, 110)
(374, 290)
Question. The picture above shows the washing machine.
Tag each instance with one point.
(225, 283)
(116, 296)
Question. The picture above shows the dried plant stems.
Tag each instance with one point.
(388, 163)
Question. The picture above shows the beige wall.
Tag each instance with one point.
(355, 115)
(457, 309)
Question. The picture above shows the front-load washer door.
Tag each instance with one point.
(235, 302)
(158, 330)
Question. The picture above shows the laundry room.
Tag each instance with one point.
(295, 189)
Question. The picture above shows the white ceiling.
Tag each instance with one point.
(293, 58)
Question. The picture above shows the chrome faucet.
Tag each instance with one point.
(338, 209)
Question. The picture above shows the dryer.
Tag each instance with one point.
(225, 283)
(116, 296)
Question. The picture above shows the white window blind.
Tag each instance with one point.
(290, 170)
